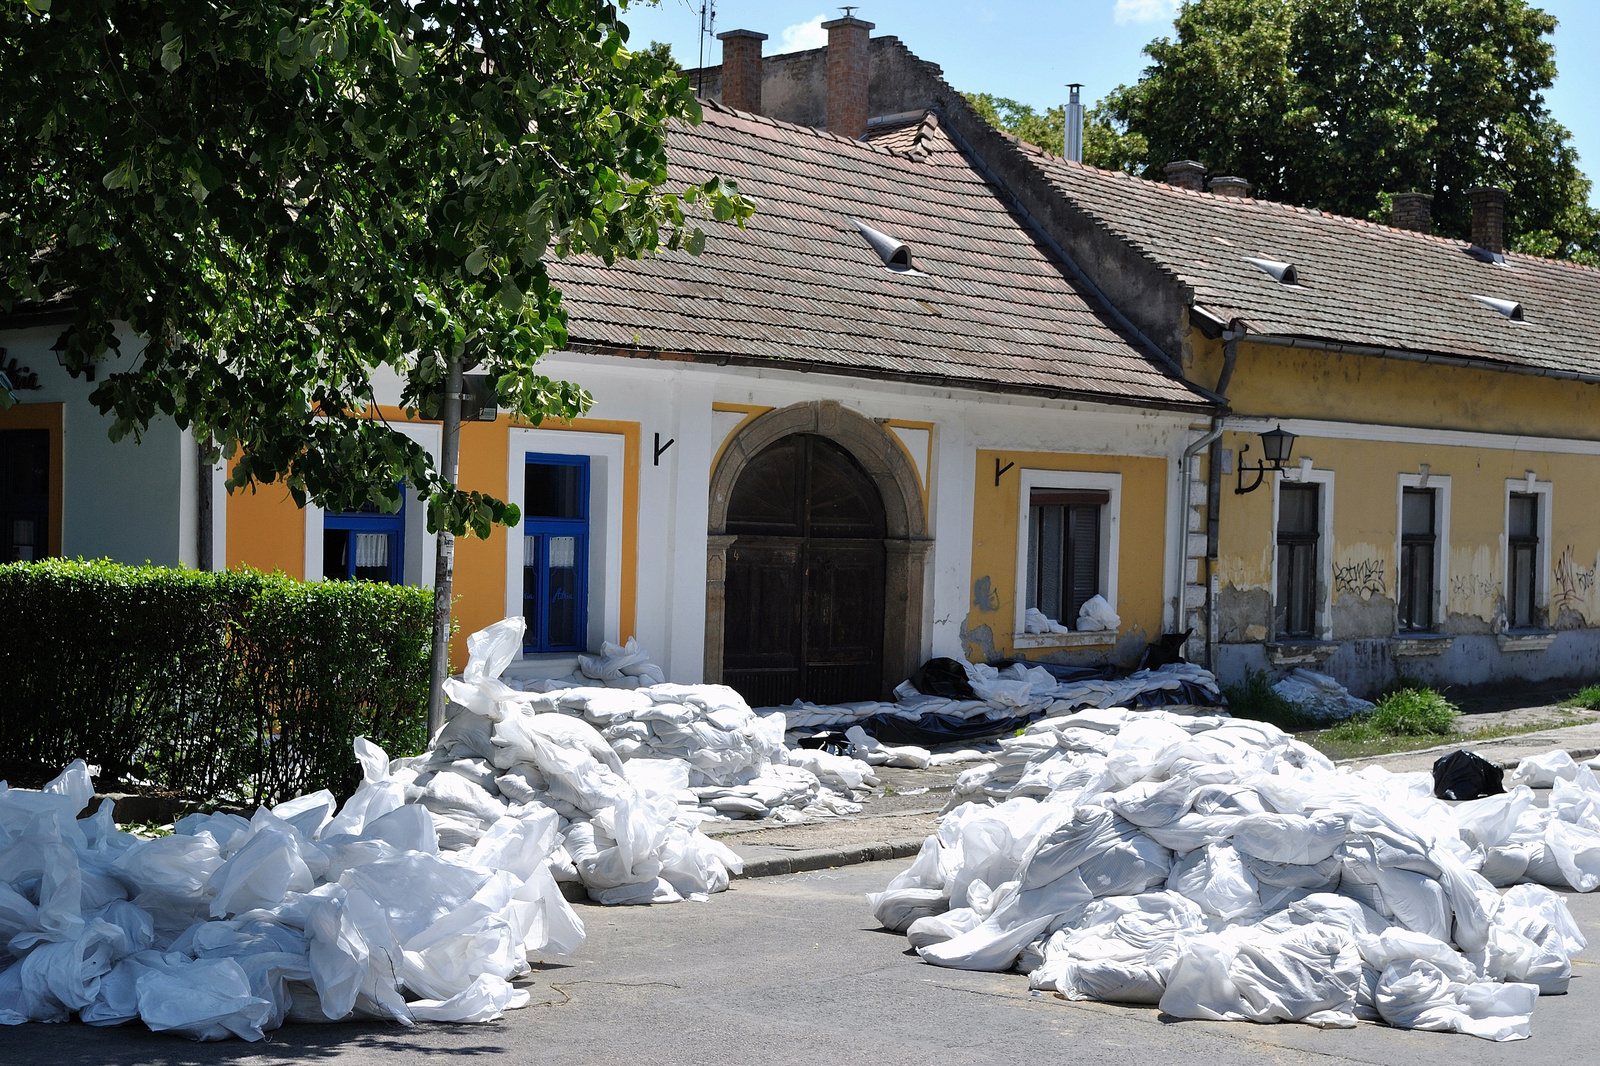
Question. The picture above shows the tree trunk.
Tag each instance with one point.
(444, 567)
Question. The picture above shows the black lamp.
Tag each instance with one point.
(61, 346)
(1276, 446)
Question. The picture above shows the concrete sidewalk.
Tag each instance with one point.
(894, 825)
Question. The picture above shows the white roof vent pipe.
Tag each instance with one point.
(896, 255)
(1280, 272)
(1510, 308)
(1073, 139)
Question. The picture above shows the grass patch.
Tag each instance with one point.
(1419, 713)
(1255, 700)
(1587, 698)
(1411, 719)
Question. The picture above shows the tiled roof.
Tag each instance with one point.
(799, 285)
(1359, 283)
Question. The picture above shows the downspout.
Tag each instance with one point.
(1230, 358)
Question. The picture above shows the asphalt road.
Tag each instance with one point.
(792, 970)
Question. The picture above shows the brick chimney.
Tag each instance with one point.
(847, 112)
(741, 69)
(1489, 219)
(1186, 174)
(1412, 211)
(1231, 187)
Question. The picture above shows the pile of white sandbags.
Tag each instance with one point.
(1320, 697)
(1014, 691)
(1223, 870)
(704, 743)
(228, 926)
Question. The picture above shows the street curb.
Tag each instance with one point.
(828, 858)
(1578, 754)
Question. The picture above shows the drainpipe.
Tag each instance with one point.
(1230, 358)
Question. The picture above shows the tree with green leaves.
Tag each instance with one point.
(284, 200)
(1333, 104)
(1104, 145)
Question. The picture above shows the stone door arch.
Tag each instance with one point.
(906, 542)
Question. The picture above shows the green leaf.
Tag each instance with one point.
(696, 242)
(510, 295)
(476, 262)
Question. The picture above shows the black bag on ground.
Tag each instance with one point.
(1465, 775)
(942, 677)
(1165, 650)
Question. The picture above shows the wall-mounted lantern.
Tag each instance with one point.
(60, 347)
(1276, 445)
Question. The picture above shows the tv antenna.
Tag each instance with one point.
(708, 26)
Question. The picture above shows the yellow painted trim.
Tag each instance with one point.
(48, 417)
(930, 427)
(750, 411)
(630, 433)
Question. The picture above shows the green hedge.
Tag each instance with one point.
(230, 686)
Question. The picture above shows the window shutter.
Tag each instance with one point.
(1084, 546)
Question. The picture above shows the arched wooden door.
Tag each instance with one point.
(805, 577)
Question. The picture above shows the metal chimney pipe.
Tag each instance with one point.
(1073, 140)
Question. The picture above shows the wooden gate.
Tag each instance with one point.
(805, 577)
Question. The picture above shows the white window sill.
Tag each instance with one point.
(1417, 645)
(1525, 640)
(1300, 652)
(533, 666)
(1087, 639)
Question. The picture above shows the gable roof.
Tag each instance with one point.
(1359, 283)
(799, 286)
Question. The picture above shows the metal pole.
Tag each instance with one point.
(444, 565)
(205, 519)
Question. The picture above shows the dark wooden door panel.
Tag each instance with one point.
(844, 609)
(764, 599)
(805, 578)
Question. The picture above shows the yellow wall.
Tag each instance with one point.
(45, 416)
(1296, 383)
(266, 530)
(1289, 383)
(1141, 552)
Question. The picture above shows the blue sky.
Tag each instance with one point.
(1029, 49)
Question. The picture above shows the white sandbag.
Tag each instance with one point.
(1308, 974)
(485, 1000)
(1096, 614)
(1415, 994)
(1215, 880)
(1543, 771)
(203, 999)
(1290, 838)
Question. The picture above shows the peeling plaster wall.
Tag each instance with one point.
(1465, 426)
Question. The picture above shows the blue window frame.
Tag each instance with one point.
(555, 552)
(367, 544)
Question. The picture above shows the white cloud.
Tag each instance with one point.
(1145, 10)
(803, 35)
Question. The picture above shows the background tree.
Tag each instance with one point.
(1334, 103)
(286, 198)
(1104, 145)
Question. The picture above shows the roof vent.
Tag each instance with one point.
(1510, 308)
(896, 255)
(1281, 272)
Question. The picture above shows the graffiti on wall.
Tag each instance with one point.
(984, 597)
(1573, 584)
(1364, 577)
(1472, 585)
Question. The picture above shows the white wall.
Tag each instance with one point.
(675, 400)
(124, 501)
